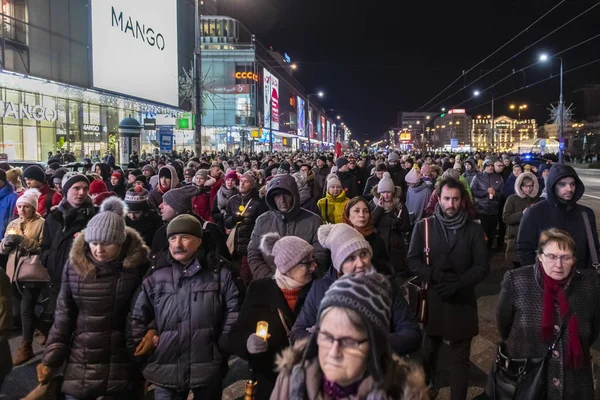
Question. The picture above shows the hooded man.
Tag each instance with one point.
(167, 180)
(321, 171)
(558, 210)
(36, 178)
(397, 173)
(287, 218)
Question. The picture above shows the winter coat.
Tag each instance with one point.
(469, 175)
(264, 300)
(296, 222)
(194, 309)
(349, 184)
(201, 203)
(254, 207)
(392, 226)
(380, 259)
(8, 200)
(509, 185)
(6, 324)
(60, 229)
(120, 188)
(519, 322)
(398, 175)
(465, 254)
(320, 181)
(404, 337)
(91, 317)
(554, 213)
(513, 212)
(434, 199)
(218, 213)
(45, 204)
(213, 239)
(479, 188)
(146, 226)
(372, 181)
(332, 208)
(417, 199)
(155, 196)
(408, 379)
(32, 231)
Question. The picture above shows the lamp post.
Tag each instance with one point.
(476, 93)
(561, 107)
(320, 94)
(197, 79)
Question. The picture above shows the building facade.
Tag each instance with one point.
(587, 101)
(71, 70)
(509, 132)
(452, 129)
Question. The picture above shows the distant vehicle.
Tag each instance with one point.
(536, 160)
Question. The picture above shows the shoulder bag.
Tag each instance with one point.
(29, 269)
(522, 379)
(417, 289)
(590, 240)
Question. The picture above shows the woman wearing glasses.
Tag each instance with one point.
(526, 193)
(534, 303)
(348, 356)
(276, 300)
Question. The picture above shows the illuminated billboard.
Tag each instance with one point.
(271, 101)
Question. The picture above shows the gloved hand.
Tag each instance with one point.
(13, 240)
(237, 218)
(256, 344)
(446, 289)
(439, 276)
(44, 373)
(148, 343)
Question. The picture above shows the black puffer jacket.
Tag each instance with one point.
(349, 183)
(60, 229)
(91, 317)
(147, 225)
(254, 206)
(193, 309)
(371, 183)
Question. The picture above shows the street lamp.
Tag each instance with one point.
(319, 94)
(561, 106)
(339, 117)
(293, 66)
(476, 93)
(443, 108)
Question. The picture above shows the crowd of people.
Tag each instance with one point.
(157, 273)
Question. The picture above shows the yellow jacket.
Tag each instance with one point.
(332, 208)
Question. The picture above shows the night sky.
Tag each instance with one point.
(375, 58)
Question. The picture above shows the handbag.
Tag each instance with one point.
(590, 240)
(29, 269)
(522, 379)
(417, 289)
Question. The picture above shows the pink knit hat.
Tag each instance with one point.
(413, 176)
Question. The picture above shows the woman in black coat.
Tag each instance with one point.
(534, 303)
(358, 215)
(106, 265)
(278, 301)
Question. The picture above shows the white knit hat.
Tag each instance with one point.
(413, 176)
(31, 197)
(332, 179)
(386, 184)
(342, 240)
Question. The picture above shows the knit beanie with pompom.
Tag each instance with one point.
(108, 226)
(342, 240)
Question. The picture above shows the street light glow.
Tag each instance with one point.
(512, 106)
(544, 57)
(476, 93)
(339, 117)
(293, 66)
(321, 94)
(443, 108)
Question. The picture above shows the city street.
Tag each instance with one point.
(22, 379)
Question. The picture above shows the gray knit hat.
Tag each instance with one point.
(369, 295)
(180, 199)
(393, 157)
(342, 240)
(386, 184)
(202, 173)
(108, 226)
(288, 251)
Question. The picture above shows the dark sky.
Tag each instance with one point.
(374, 58)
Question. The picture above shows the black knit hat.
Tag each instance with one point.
(340, 162)
(72, 178)
(35, 172)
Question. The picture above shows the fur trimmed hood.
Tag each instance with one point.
(519, 182)
(136, 253)
(405, 373)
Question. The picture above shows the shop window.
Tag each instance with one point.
(30, 143)
(13, 141)
(47, 142)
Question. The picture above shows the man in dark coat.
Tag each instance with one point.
(287, 218)
(559, 210)
(192, 301)
(487, 193)
(347, 178)
(373, 180)
(60, 229)
(242, 211)
(456, 261)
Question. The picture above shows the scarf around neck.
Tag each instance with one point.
(451, 223)
(223, 195)
(285, 282)
(366, 230)
(554, 291)
(336, 391)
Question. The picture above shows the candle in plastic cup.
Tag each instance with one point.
(262, 329)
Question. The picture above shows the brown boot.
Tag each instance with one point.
(23, 354)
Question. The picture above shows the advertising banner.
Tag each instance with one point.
(318, 135)
(271, 101)
(310, 124)
(323, 136)
(301, 117)
(143, 42)
(328, 138)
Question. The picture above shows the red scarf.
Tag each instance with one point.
(555, 291)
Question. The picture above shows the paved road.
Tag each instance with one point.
(22, 379)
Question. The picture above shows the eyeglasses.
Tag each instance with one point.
(345, 343)
(308, 263)
(564, 258)
(528, 186)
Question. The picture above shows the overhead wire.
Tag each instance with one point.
(492, 54)
(515, 55)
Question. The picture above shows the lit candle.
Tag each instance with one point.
(11, 232)
(262, 329)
